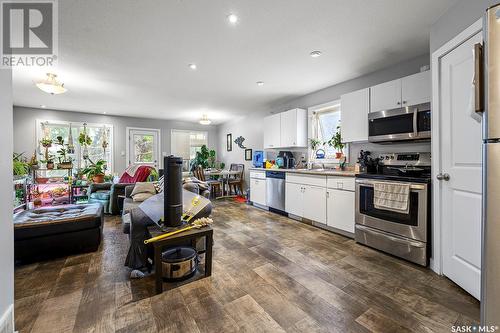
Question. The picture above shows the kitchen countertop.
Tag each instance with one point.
(319, 172)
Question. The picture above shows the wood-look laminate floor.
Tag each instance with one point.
(270, 274)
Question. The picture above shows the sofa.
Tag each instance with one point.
(57, 231)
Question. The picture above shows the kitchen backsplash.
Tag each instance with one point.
(410, 147)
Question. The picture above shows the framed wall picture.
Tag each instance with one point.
(248, 154)
(229, 142)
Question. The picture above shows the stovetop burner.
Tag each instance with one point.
(407, 167)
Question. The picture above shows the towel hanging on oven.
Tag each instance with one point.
(392, 196)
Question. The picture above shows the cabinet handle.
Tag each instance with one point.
(398, 103)
(327, 194)
(404, 102)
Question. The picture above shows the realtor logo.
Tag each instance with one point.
(28, 33)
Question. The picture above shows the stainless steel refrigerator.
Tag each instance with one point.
(487, 85)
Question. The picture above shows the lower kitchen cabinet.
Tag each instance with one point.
(258, 191)
(314, 202)
(306, 201)
(340, 209)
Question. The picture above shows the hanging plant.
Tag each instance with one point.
(84, 139)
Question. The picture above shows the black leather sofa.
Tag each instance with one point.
(57, 231)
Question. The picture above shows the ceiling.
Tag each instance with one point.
(130, 58)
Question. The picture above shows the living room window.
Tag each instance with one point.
(185, 143)
(99, 133)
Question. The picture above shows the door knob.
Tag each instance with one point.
(443, 176)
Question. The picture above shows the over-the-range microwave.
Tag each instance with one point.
(407, 123)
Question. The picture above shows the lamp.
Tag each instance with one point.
(51, 86)
(204, 120)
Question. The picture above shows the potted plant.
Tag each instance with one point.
(95, 171)
(19, 165)
(201, 158)
(49, 161)
(336, 142)
(46, 143)
(65, 161)
(84, 139)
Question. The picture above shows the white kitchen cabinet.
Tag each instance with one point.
(354, 108)
(272, 131)
(385, 96)
(293, 129)
(314, 203)
(340, 209)
(416, 89)
(293, 199)
(258, 191)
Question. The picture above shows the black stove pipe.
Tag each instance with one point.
(172, 190)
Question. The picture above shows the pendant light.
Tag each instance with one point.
(204, 120)
(51, 86)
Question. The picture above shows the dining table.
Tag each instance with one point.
(224, 177)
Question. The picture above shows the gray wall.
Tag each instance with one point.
(251, 127)
(6, 226)
(25, 118)
(456, 19)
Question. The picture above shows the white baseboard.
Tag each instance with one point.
(7, 320)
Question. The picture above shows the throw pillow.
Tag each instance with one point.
(139, 197)
(143, 188)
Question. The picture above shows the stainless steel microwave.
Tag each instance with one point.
(407, 123)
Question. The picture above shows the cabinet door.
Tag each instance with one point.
(385, 96)
(293, 199)
(258, 191)
(340, 210)
(289, 128)
(272, 130)
(315, 203)
(354, 110)
(416, 89)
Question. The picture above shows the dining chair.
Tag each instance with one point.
(215, 185)
(236, 182)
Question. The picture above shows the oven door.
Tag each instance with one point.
(412, 225)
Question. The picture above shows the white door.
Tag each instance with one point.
(258, 191)
(272, 131)
(340, 209)
(385, 96)
(314, 203)
(416, 88)
(354, 108)
(461, 160)
(293, 199)
(143, 146)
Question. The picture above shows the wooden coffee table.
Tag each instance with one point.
(180, 239)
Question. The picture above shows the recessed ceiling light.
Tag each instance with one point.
(260, 83)
(43, 106)
(192, 66)
(104, 112)
(232, 18)
(315, 54)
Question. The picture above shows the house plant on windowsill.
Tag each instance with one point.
(95, 171)
(336, 142)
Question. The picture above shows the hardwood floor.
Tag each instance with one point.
(270, 274)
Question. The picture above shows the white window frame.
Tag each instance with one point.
(39, 135)
(186, 131)
(313, 130)
(127, 145)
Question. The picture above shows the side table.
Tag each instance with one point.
(179, 239)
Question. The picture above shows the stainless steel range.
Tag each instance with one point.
(393, 206)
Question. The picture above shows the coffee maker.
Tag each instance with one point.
(288, 159)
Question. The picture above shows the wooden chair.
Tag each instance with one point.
(237, 181)
(215, 185)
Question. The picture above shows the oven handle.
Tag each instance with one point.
(392, 238)
(418, 187)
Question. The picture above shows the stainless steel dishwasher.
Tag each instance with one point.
(275, 191)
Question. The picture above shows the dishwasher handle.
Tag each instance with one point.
(275, 174)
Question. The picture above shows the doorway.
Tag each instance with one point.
(143, 146)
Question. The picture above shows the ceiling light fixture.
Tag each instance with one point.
(51, 86)
(315, 54)
(260, 83)
(43, 106)
(232, 18)
(204, 120)
(193, 66)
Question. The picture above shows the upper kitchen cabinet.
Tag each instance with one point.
(286, 129)
(354, 108)
(410, 90)
(416, 89)
(272, 130)
(294, 128)
(385, 96)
